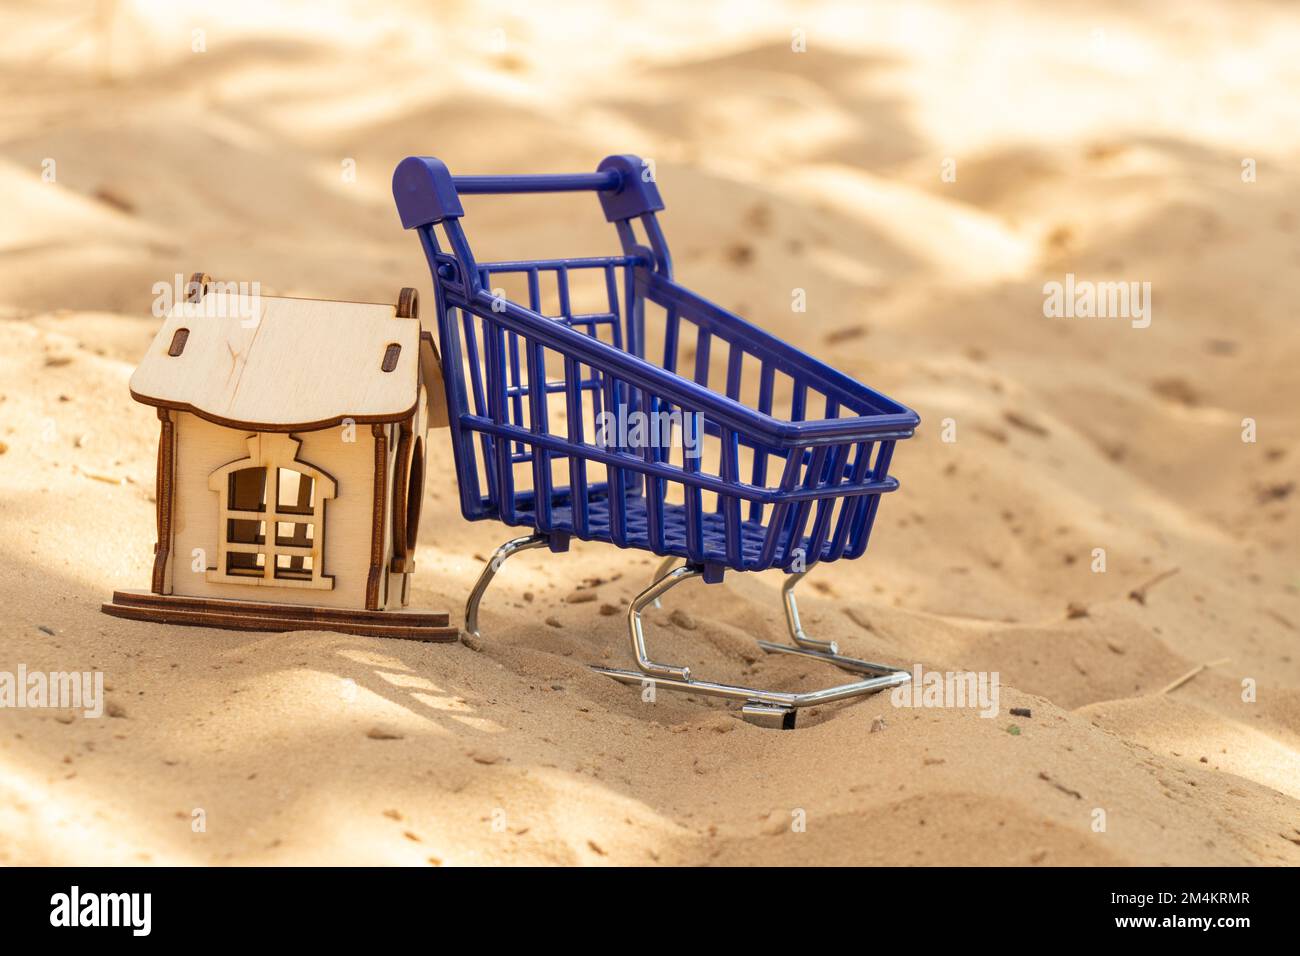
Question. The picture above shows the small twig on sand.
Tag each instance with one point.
(1192, 673)
(1042, 775)
(1139, 594)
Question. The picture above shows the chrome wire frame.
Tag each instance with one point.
(499, 557)
(792, 618)
(663, 569)
(768, 702)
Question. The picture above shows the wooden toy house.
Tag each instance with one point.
(291, 464)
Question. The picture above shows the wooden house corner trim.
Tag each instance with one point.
(165, 499)
(403, 550)
(376, 574)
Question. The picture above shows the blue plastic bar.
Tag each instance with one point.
(826, 506)
(802, 509)
(729, 505)
(540, 423)
(553, 183)
(694, 500)
(617, 515)
(494, 345)
(848, 513)
(867, 513)
(655, 487)
(696, 479)
(577, 462)
(577, 262)
(480, 401)
(780, 508)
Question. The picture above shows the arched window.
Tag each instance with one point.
(272, 519)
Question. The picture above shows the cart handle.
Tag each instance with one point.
(426, 192)
(610, 179)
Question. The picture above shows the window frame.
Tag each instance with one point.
(272, 451)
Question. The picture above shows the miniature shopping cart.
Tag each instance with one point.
(616, 405)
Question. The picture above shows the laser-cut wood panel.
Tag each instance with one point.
(272, 459)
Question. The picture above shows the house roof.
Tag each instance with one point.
(277, 364)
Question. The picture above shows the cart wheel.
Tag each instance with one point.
(197, 286)
(408, 304)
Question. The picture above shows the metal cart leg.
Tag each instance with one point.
(792, 618)
(765, 707)
(489, 572)
(652, 593)
(663, 568)
(805, 646)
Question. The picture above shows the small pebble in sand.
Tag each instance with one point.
(846, 334)
(528, 596)
(740, 253)
(114, 709)
(877, 724)
(608, 610)
(682, 619)
(1024, 424)
(553, 622)
(393, 814)
(1177, 390)
(580, 597)
(384, 732)
(1021, 712)
(1075, 609)
(484, 755)
(44, 629)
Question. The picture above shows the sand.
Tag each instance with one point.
(1088, 139)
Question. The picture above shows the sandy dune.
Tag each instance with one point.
(1090, 141)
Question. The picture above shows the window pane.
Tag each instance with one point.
(245, 565)
(248, 489)
(293, 567)
(296, 492)
(246, 531)
(296, 533)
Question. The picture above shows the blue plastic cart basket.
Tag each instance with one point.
(603, 409)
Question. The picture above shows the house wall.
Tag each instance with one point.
(202, 447)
